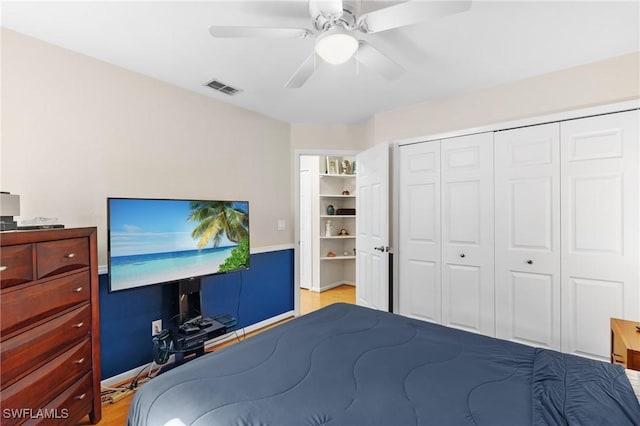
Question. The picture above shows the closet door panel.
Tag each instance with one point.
(422, 297)
(593, 301)
(531, 209)
(527, 246)
(419, 251)
(463, 287)
(600, 229)
(467, 233)
(532, 298)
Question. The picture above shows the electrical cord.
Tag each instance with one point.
(114, 394)
(162, 347)
(238, 309)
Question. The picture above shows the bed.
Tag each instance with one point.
(349, 365)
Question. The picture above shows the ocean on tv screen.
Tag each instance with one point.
(155, 241)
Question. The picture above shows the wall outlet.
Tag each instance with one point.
(156, 327)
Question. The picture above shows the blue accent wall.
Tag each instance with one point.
(261, 292)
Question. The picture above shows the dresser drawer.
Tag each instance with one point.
(70, 406)
(633, 361)
(31, 349)
(619, 355)
(16, 265)
(44, 384)
(54, 257)
(26, 304)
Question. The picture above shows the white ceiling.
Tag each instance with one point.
(491, 43)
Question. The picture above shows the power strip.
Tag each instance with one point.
(119, 395)
(115, 396)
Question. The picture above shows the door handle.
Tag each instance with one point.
(383, 249)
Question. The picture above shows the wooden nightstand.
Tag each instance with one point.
(625, 343)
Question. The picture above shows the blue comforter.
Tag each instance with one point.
(348, 365)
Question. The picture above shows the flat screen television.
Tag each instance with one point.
(154, 241)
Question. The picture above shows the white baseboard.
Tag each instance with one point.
(248, 329)
(128, 375)
(332, 285)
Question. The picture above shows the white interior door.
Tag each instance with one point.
(467, 232)
(419, 286)
(372, 227)
(599, 229)
(527, 233)
(306, 219)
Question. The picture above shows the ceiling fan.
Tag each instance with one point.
(335, 26)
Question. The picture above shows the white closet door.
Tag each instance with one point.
(467, 233)
(419, 251)
(527, 221)
(599, 229)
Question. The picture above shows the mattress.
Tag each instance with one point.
(349, 365)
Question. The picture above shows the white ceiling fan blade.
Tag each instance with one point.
(303, 73)
(409, 13)
(371, 57)
(328, 8)
(258, 32)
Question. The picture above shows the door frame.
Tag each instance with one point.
(296, 207)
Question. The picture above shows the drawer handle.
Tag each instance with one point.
(78, 325)
(80, 396)
(3, 268)
(529, 262)
(70, 255)
(77, 290)
(462, 255)
(79, 361)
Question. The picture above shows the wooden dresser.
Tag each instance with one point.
(625, 343)
(50, 344)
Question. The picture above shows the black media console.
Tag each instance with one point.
(192, 342)
(190, 337)
(192, 329)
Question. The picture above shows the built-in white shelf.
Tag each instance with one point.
(337, 175)
(338, 237)
(330, 189)
(337, 258)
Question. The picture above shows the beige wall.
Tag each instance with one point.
(76, 131)
(609, 81)
(329, 137)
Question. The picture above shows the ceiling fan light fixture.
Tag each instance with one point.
(336, 46)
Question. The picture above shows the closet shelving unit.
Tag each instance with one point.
(338, 269)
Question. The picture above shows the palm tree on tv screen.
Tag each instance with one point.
(218, 218)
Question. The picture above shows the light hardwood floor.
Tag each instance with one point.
(116, 414)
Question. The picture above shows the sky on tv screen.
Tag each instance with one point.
(154, 226)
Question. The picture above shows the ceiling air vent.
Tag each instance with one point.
(222, 87)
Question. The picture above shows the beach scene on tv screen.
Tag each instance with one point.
(156, 241)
